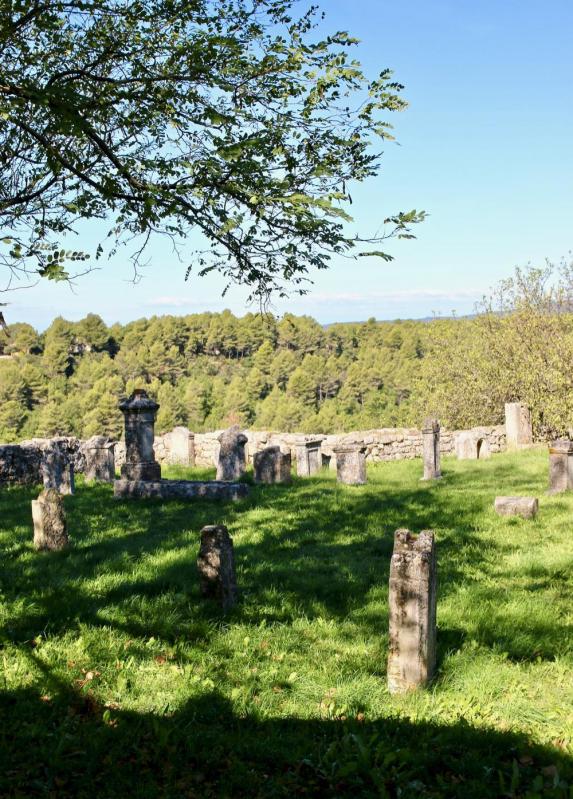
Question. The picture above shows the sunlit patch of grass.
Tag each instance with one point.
(108, 649)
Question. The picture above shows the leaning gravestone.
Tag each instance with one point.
(526, 507)
(50, 529)
(231, 464)
(100, 461)
(350, 463)
(272, 466)
(431, 449)
(57, 471)
(216, 565)
(560, 466)
(412, 600)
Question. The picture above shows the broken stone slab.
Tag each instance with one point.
(412, 610)
(350, 464)
(308, 457)
(139, 412)
(178, 489)
(48, 515)
(216, 565)
(100, 459)
(431, 449)
(526, 507)
(560, 466)
(272, 466)
(232, 462)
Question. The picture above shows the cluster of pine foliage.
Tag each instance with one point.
(207, 371)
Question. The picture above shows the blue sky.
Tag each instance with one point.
(484, 148)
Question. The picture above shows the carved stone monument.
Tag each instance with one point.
(272, 466)
(350, 463)
(412, 600)
(431, 449)
(308, 458)
(100, 460)
(139, 412)
(48, 515)
(526, 507)
(560, 466)
(232, 462)
(216, 565)
(518, 431)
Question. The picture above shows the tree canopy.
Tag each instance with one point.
(230, 119)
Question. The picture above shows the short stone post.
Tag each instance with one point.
(48, 515)
(431, 449)
(350, 463)
(518, 431)
(100, 460)
(308, 458)
(216, 565)
(272, 466)
(232, 462)
(139, 412)
(57, 472)
(412, 610)
(560, 466)
(182, 447)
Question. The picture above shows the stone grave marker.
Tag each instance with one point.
(48, 515)
(232, 462)
(216, 565)
(272, 466)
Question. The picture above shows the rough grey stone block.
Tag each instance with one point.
(272, 466)
(232, 463)
(526, 507)
(216, 565)
(560, 466)
(48, 515)
(518, 429)
(178, 489)
(412, 609)
(351, 464)
(308, 458)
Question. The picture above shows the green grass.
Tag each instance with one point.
(118, 680)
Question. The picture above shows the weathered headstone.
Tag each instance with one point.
(57, 471)
(431, 449)
(526, 507)
(100, 460)
(560, 466)
(139, 412)
(308, 458)
(50, 529)
(518, 431)
(232, 463)
(471, 445)
(272, 466)
(181, 447)
(412, 600)
(216, 565)
(350, 463)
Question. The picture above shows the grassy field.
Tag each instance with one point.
(118, 680)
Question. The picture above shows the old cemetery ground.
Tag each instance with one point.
(117, 679)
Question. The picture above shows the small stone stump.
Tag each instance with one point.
(431, 449)
(560, 466)
(232, 462)
(526, 507)
(139, 413)
(57, 472)
(100, 459)
(308, 458)
(48, 515)
(216, 565)
(412, 600)
(518, 431)
(350, 464)
(272, 466)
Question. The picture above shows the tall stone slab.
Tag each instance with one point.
(100, 459)
(412, 610)
(431, 449)
(350, 463)
(48, 515)
(232, 463)
(560, 466)
(216, 565)
(139, 413)
(518, 430)
(181, 445)
(272, 466)
(308, 458)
